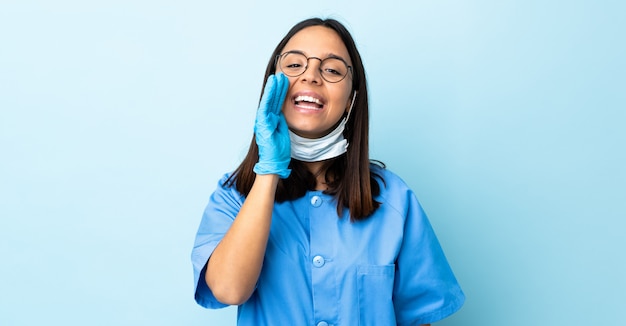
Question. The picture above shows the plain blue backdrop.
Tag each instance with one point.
(118, 117)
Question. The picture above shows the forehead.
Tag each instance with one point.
(318, 41)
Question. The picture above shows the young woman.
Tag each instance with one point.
(308, 231)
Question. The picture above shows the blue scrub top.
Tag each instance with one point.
(321, 269)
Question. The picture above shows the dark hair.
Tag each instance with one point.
(348, 176)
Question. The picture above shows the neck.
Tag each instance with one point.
(318, 169)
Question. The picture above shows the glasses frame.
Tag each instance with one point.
(280, 56)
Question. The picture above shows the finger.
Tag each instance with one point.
(282, 124)
(282, 131)
(281, 89)
(268, 94)
(275, 102)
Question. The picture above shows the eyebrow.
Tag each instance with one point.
(330, 55)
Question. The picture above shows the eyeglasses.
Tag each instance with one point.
(294, 64)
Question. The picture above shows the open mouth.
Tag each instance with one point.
(308, 102)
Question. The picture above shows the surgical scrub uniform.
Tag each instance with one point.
(321, 269)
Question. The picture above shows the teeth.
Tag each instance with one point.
(311, 99)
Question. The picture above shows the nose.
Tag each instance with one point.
(312, 73)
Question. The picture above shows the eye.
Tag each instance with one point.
(293, 63)
(334, 67)
(333, 71)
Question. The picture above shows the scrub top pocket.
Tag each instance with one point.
(375, 284)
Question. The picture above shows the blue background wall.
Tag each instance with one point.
(118, 117)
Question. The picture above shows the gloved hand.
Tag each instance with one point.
(270, 129)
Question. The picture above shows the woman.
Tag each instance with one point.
(308, 231)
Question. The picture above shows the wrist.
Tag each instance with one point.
(265, 168)
(267, 180)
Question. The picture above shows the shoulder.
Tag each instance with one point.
(394, 193)
(226, 191)
(388, 180)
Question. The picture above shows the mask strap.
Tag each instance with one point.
(351, 105)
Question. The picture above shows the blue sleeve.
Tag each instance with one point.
(218, 216)
(425, 288)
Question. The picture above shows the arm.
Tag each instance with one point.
(423, 274)
(235, 265)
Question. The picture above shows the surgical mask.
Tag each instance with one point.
(319, 149)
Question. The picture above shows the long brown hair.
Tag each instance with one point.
(348, 176)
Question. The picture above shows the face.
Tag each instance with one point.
(314, 106)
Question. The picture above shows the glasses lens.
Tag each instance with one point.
(333, 69)
(293, 64)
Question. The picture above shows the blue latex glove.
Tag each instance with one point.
(270, 129)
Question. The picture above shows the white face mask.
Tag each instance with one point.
(319, 149)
